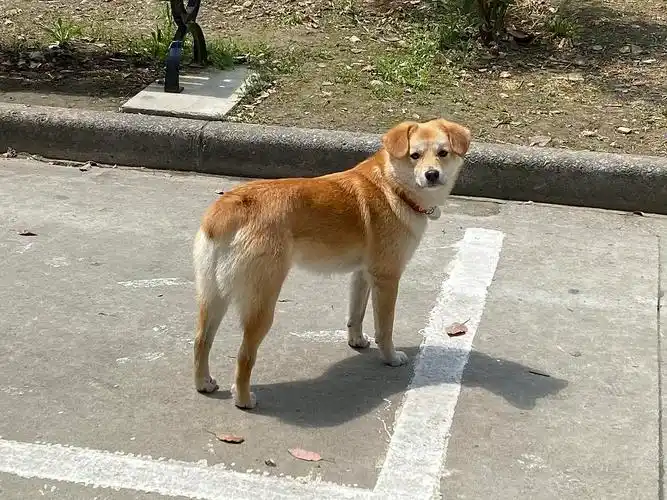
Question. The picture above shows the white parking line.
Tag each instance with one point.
(417, 451)
(418, 448)
(155, 283)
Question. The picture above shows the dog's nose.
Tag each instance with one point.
(432, 175)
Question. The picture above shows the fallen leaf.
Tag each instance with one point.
(540, 140)
(309, 456)
(520, 36)
(230, 438)
(624, 130)
(25, 232)
(456, 329)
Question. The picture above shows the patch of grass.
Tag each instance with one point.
(562, 27)
(412, 65)
(63, 31)
(155, 45)
(349, 9)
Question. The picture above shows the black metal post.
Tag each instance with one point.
(186, 22)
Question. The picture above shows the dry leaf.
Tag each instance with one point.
(540, 140)
(230, 438)
(456, 329)
(309, 456)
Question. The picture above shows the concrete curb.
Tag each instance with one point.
(580, 178)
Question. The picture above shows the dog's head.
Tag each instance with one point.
(427, 155)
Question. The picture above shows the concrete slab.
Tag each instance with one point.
(559, 398)
(208, 94)
(576, 305)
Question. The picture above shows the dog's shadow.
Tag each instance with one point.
(359, 384)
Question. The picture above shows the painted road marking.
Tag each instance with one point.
(417, 450)
(324, 336)
(167, 477)
(155, 283)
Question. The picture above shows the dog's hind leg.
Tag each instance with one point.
(212, 308)
(359, 292)
(211, 312)
(257, 305)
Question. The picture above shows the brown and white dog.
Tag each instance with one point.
(366, 221)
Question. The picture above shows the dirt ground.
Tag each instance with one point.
(363, 65)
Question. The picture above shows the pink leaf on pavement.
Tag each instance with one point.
(309, 456)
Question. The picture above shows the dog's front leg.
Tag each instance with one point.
(385, 291)
(359, 292)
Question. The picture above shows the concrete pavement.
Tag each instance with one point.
(559, 397)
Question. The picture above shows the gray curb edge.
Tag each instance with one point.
(579, 178)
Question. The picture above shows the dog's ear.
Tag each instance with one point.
(459, 136)
(397, 140)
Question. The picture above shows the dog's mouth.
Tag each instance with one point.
(430, 185)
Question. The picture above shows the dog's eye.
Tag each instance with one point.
(442, 153)
(415, 156)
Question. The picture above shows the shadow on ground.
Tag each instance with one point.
(608, 51)
(359, 384)
(79, 69)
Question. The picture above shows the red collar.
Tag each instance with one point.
(412, 204)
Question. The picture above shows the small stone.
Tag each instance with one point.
(321, 65)
(503, 95)
(376, 83)
(327, 84)
(588, 133)
(505, 74)
(354, 39)
(575, 77)
(270, 462)
(624, 130)
(11, 153)
(597, 48)
(247, 3)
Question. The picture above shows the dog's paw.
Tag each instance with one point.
(206, 385)
(397, 358)
(244, 403)
(358, 341)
